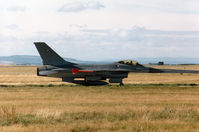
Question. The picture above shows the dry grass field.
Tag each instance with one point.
(155, 103)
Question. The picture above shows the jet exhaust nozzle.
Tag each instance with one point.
(41, 71)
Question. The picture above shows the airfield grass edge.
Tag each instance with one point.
(108, 86)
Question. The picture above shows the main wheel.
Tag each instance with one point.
(86, 82)
(121, 84)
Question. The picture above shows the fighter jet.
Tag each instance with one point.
(55, 66)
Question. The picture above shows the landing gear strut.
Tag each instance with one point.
(86, 82)
(121, 84)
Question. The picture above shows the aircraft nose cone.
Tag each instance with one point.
(153, 70)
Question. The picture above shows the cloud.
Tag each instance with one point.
(6, 38)
(16, 8)
(169, 6)
(117, 43)
(81, 6)
(78, 25)
(125, 43)
(140, 37)
(12, 26)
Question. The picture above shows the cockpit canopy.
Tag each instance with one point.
(130, 62)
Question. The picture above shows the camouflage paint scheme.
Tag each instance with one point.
(56, 66)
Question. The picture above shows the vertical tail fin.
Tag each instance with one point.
(49, 56)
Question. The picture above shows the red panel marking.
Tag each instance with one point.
(75, 70)
(85, 71)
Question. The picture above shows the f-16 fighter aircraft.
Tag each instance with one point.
(56, 66)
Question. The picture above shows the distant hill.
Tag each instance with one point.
(33, 60)
(21, 60)
(25, 60)
(36, 60)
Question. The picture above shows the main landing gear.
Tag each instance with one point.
(121, 84)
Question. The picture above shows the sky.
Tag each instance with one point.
(101, 29)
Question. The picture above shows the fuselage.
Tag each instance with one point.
(113, 71)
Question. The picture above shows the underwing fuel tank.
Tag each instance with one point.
(94, 78)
